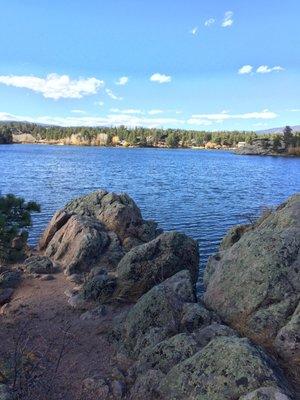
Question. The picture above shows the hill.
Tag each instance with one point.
(296, 128)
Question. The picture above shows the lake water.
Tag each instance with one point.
(198, 192)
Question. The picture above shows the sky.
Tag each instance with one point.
(192, 64)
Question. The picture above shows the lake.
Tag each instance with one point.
(199, 192)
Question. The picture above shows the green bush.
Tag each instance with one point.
(15, 219)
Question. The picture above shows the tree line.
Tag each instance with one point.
(144, 137)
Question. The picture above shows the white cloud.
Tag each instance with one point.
(228, 19)
(126, 111)
(209, 22)
(265, 69)
(294, 110)
(207, 119)
(155, 112)
(111, 94)
(194, 30)
(99, 103)
(245, 69)
(78, 111)
(54, 86)
(109, 120)
(123, 80)
(160, 78)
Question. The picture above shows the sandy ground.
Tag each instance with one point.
(39, 324)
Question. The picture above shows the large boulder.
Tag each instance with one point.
(227, 368)
(160, 308)
(78, 245)
(151, 263)
(254, 284)
(96, 229)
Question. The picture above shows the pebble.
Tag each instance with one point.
(47, 277)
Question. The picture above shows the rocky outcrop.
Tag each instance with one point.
(149, 264)
(227, 368)
(95, 230)
(261, 146)
(176, 346)
(254, 284)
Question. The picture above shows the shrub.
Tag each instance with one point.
(15, 219)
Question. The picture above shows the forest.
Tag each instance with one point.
(138, 136)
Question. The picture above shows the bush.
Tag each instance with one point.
(15, 219)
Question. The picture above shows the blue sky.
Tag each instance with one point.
(187, 64)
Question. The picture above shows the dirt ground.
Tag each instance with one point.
(58, 349)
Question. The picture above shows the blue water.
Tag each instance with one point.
(201, 193)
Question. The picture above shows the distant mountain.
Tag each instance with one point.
(296, 128)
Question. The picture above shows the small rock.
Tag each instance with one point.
(76, 301)
(39, 265)
(10, 279)
(96, 313)
(47, 277)
(70, 292)
(5, 295)
(75, 278)
(118, 389)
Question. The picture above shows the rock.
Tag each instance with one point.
(90, 231)
(76, 301)
(194, 316)
(150, 338)
(78, 244)
(254, 285)
(166, 354)
(39, 265)
(149, 264)
(47, 278)
(161, 307)
(10, 279)
(58, 221)
(5, 295)
(204, 335)
(75, 278)
(287, 342)
(94, 314)
(266, 393)
(227, 368)
(118, 389)
(145, 386)
(100, 288)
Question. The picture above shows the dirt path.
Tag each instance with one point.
(52, 335)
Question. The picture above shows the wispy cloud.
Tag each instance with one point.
(245, 69)
(155, 112)
(208, 119)
(160, 78)
(54, 86)
(78, 111)
(123, 80)
(194, 30)
(209, 22)
(126, 111)
(228, 19)
(265, 69)
(113, 96)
